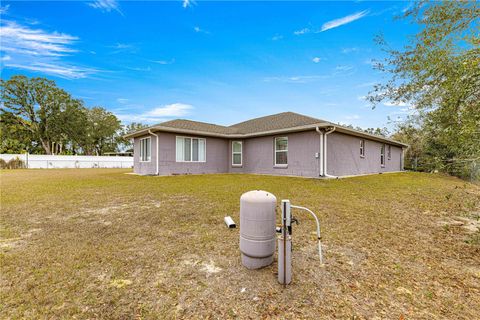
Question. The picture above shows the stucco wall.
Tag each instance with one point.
(144, 167)
(258, 155)
(343, 156)
(216, 157)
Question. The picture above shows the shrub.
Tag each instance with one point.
(15, 163)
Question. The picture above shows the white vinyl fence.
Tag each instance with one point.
(39, 161)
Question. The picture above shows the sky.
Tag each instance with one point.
(220, 62)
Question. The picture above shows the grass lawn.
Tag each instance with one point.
(98, 243)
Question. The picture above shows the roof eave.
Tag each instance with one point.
(339, 128)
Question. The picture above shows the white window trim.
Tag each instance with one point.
(362, 148)
(280, 165)
(236, 152)
(382, 155)
(191, 149)
(149, 159)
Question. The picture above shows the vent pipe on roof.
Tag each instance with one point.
(156, 142)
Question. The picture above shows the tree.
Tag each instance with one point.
(438, 74)
(39, 107)
(101, 131)
(127, 144)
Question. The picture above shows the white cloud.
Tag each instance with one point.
(105, 5)
(349, 50)
(36, 42)
(59, 70)
(163, 62)
(343, 68)
(316, 59)
(188, 3)
(200, 30)
(295, 79)
(4, 10)
(344, 20)
(39, 51)
(122, 100)
(158, 114)
(277, 37)
(302, 31)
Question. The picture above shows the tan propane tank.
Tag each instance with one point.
(257, 228)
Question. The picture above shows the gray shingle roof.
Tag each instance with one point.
(280, 122)
(277, 121)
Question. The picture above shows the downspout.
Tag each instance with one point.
(320, 153)
(325, 153)
(156, 139)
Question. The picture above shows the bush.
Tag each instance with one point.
(15, 163)
(3, 164)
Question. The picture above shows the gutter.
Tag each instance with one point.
(320, 153)
(156, 135)
(325, 174)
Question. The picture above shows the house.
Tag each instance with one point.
(281, 144)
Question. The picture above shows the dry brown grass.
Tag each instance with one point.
(103, 244)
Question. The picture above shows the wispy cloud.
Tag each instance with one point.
(38, 50)
(106, 5)
(25, 40)
(123, 48)
(197, 29)
(188, 3)
(62, 71)
(158, 114)
(295, 79)
(163, 62)
(4, 9)
(316, 59)
(344, 68)
(277, 37)
(301, 31)
(122, 100)
(350, 50)
(344, 20)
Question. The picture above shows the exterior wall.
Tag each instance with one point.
(258, 155)
(216, 156)
(145, 167)
(343, 156)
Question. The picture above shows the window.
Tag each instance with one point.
(281, 151)
(190, 149)
(145, 149)
(362, 148)
(389, 152)
(237, 149)
(382, 155)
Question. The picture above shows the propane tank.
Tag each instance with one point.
(257, 228)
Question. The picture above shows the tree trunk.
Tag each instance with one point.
(46, 146)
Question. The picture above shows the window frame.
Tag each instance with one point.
(362, 148)
(237, 152)
(279, 165)
(389, 152)
(191, 149)
(382, 155)
(149, 158)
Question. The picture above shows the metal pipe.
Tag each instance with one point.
(320, 153)
(325, 153)
(318, 230)
(156, 135)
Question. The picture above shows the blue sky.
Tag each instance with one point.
(219, 62)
